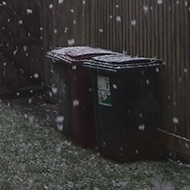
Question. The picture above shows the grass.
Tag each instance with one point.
(35, 157)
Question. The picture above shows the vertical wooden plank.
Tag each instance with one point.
(180, 74)
(114, 26)
(126, 29)
(187, 68)
(107, 24)
(168, 69)
(88, 22)
(111, 25)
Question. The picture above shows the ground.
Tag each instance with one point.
(35, 107)
(34, 155)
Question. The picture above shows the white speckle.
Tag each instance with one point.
(124, 52)
(75, 103)
(114, 86)
(60, 1)
(20, 22)
(96, 188)
(54, 89)
(15, 51)
(17, 93)
(118, 18)
(145, 8)
(74, 67)
(25, 48)
(185, 70)
(157, 69)
(133, 22)
(71, 42)
(111, 16)
(29, 11)
(4, 3)
(90, 89)
(136, 151)
(36, 75)
(31, 118)
(60, 119)
(30, 100)
(83, 2)
(186, 145)
(58, 148)
(51, 6)
(100, 30)
(74, 21)
(66, 29)
(117, 6)
(147, 81)
(60, 127)
(175, 120)
(72, 10)
(55, 31)
(142, 127)
(159, 2)
(121, 148)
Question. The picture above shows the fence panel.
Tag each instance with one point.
(21, 62)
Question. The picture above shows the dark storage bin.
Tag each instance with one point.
(75, 100)
(127, 106)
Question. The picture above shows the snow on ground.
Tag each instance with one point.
(36, 156)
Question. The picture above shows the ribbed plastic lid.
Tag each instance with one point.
(120, 58)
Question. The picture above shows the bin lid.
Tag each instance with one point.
(76, 55)
(120, 62)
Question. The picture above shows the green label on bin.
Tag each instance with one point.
(104, 93)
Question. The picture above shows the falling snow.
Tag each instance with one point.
(37, 157)
(51, 6)
(160, 2)
(175, 120)
(75, 103)
(118, 18)
(133, 22)
(71, 42)
(29, 11)
(60, 1)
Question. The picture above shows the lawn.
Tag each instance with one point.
(34, 156)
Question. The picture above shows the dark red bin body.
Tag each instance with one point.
(75, 100)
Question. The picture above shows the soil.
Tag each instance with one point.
(35, 107)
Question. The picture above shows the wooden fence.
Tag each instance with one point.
(21, 63)
(150, 28)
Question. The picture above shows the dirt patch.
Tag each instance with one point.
(35, 108)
